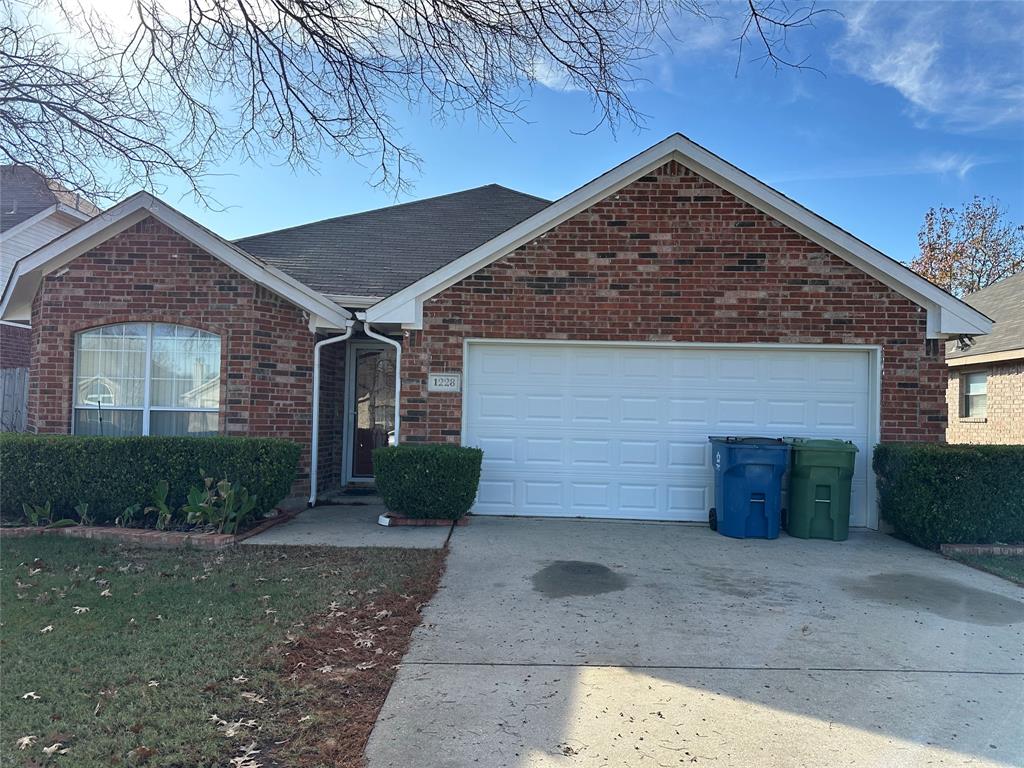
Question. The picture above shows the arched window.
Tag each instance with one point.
(146, 379)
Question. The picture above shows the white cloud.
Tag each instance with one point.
(925, 164)
(958, 63)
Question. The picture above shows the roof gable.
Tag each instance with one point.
(947, 315)
(29, 271)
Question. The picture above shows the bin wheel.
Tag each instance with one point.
(713, 519)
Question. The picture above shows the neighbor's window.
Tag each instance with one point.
(975, 394)
(146, 379)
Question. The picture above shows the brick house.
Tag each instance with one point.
(589, 345)
(985, 394)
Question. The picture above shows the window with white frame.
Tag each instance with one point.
(974, 394)
(146, 379)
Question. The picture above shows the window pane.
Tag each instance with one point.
(977, 383)
(977, 405)
(182, 423)
(108, 423)
(111, 366)
(186, 368)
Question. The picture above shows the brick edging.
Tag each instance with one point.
(983, 549)
(145, 537)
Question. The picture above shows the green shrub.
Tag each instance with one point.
(428, 481)
(936, 494)
(111, 475)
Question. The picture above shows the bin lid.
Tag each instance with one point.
(741, 440)
(820, 444)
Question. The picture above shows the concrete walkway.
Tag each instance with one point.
(585, 643)
(353, 524)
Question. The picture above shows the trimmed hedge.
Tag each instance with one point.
(428, 481)
(111, 473)
(936, 494)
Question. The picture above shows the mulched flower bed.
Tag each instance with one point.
(349, 658)
(148, 537)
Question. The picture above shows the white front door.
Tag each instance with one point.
(605, 430)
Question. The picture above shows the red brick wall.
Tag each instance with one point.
(148, 273)
(15, 346)
(672, 257)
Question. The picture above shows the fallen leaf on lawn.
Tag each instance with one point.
(26, 741)
(106, 593)
(47, 628)
(366, 665)
(141, 753)
(34, 571)
(240, 679)
(381, 615)
(326, 669)
(247, 758)
(30, 695)
(153, 683)
(269, 611)
(253, 697)
(80, 609)
(53, 749)
(232, 729)
(335, 605)
(304, 718)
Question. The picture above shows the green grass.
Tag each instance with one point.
(188, 621)
(1010, 567)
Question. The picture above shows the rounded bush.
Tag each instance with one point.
(428, 481)
(936, 494)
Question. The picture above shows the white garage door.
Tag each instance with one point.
(621, 431)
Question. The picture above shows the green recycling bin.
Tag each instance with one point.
(819, 488)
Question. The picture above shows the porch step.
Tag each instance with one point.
(350, 499)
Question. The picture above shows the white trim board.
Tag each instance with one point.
(873, 351)
(43, 214)
(947, 315)
(29, 271)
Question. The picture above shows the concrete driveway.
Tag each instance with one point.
(585, 643)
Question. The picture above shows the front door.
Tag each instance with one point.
(372, 399)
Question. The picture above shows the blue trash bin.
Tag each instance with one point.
(748, 486)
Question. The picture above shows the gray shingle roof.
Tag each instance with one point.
(24, 193)
(376, 253)
(1004, 303)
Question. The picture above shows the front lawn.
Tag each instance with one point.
(1010, 567)
(271, 656)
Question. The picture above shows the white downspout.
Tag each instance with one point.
(398, 368)
(315, 442)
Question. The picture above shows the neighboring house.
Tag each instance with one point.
(33, 212)
(589, 345)
(985, 394)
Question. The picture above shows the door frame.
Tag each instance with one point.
(348, 446)
(874, 352)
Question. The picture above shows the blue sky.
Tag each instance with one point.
(922, 104)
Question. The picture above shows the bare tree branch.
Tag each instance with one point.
(103, 107)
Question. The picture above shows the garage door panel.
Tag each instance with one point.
(622, 432)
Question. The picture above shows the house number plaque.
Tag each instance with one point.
(444, 382)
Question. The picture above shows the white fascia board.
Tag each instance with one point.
(29, 222)
(29, 271)
(947, 314)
